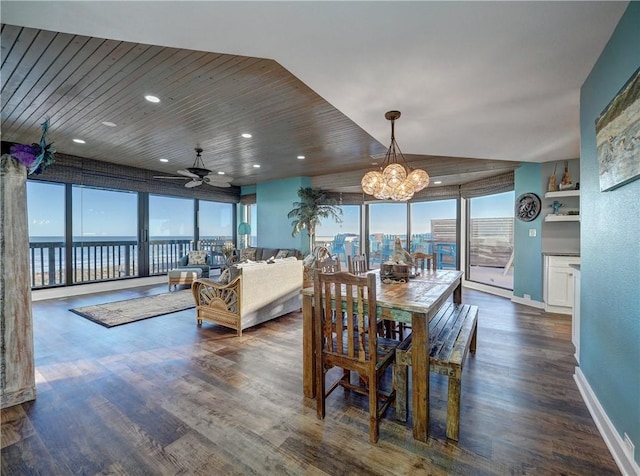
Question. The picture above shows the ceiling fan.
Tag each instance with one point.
(199, 174)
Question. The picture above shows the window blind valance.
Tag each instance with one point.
(488, 186)
(95, 173)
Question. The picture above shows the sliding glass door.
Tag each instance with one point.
(104, 234)
(490, 240)
(47, 249)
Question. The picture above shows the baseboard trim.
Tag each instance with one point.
(488, 289)
(611, 437)
(76, 290)
(527, 302)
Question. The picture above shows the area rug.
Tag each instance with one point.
(131, 310)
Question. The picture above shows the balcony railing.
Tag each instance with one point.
(100, 260)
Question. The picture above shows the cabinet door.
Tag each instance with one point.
(560, 286)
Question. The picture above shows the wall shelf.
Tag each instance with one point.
(562, 193)
(552, 217)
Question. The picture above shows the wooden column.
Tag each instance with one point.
(17, 367)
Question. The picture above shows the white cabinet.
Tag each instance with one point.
(558, 283)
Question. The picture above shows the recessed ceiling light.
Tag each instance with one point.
(164, 160)
(79, 141)
(220, 173)
(246, 135)
(437, 182)
(256, 166)
(374, 163)
(151, 98)
(301, 157)
(108, 124)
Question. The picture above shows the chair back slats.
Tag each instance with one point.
(422, 260)
(357, 264)
(348, 332)
(328, 264)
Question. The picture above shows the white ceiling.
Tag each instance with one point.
(495, 80)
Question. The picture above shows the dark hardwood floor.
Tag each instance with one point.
(162, 396)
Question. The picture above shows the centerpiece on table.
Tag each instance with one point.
(228, 248)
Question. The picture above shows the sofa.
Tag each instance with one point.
(196, 259)
(254, 253)
(256, 292)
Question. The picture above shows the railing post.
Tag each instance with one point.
(127, 258)
(52, 265)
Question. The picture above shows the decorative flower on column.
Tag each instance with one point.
(36, 157)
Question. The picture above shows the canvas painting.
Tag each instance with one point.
(618, 137)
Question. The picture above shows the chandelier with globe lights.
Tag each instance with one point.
(395, 180)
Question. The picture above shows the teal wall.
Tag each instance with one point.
(527, 270)
(610, 247)
(275, 200)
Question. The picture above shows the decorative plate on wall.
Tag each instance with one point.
(528, 206)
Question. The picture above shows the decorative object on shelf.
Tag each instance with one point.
(394, 180)
(244, 230)
(528, 206)
(551, 187)
(314, 204)
(36, 157)
(556, 205)
(565, 183)
(618, 137)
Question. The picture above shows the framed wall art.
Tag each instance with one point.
(618, 137)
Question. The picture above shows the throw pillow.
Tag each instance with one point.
(282, 254)
(225, 276)
(249, 254)
(197, 257)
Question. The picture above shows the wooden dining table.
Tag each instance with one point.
(415, 303)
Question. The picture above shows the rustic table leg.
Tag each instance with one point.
(420, 375)
(457, 294)
(308, 342)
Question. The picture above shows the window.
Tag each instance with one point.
(215, 221)
(434, 230)
(491, 240)
(45, 210)
(171, 228)
(343, 239)
(105, 238)
(386, 221)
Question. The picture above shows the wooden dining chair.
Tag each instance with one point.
(422, 261)
(357, 264)
(328, 264)
(351, 343)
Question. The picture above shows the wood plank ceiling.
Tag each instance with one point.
(206, 99)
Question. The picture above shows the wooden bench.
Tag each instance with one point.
(452, 332)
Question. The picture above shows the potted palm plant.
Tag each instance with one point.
(307, 213)
(313, 206)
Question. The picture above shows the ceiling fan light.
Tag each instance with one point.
(419, 178)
